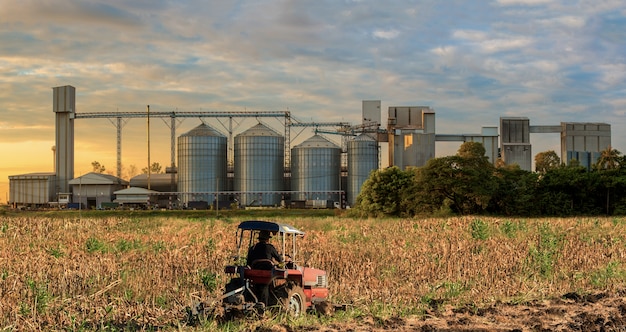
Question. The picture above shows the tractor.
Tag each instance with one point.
(293, 289)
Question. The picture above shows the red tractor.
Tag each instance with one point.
(289, 287)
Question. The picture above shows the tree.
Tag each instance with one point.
(570, 190)
(97, 167)
(381, 194)
(155, 168)
(609, 159)
(471, 150)
(516, 192)
(465, 183)
(131, 171)
(546, 161)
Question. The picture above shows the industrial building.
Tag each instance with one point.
(260, 166)
(92, 190)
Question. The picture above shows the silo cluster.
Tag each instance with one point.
(258, 174)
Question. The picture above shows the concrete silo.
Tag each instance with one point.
(315, 168)
(362, 159)
(259, 166)
(202, 164)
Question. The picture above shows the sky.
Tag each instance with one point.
(472, 61)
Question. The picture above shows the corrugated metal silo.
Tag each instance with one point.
(315, 166)
(362, 159)
(202, 162)
(259, 166)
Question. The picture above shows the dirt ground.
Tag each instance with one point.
(571, 312)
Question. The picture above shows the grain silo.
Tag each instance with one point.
(202, 162)
(362, 159)
(259, 166)
(315, 169)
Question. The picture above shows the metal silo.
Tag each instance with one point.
(362, 159)
(202, 162)
(259, 166)
(315, 167)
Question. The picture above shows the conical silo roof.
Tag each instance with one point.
(317, 141)
(363, 137)
(260, 130)
(203, 130)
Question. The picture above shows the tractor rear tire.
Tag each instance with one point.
(293, 301)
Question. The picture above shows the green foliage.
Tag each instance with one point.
(603, 276)
(158, 246)
(542, 255)
(479, 229)
(210, 245)
(464, 182)
(124, 245)
(38, 292)
(208, 279)
(56, 251)
(515, 193)
(94, 245)
(510, 228)
(381, 194)
(546, 161)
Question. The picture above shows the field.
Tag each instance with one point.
(140, 270)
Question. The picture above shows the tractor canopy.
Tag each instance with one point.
(285, 235)
(270, 226)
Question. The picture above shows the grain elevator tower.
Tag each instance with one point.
(64, 107)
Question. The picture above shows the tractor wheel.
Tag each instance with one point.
(293, 301)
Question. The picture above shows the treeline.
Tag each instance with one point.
(468, 183)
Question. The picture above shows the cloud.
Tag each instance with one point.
(386, 34)
(523, 2)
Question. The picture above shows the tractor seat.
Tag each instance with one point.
(262, 264)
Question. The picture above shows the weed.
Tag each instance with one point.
(24, 309)
(508, 228)
(210, 245)
(161, 301)
(452, 289)
(125, 245)
(158, 246)
(129, 295)
(479, 229)
(39, 292)
(209, 279)
(542, 256)
(56, 251)
(93, 245)
(602, 277)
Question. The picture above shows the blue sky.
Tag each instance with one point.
(472, 61)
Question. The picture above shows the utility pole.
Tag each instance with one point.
(149, 147)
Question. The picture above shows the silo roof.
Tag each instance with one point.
(203, 130)
(260, 130)
(317, 141)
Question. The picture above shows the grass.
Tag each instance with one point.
(139, 271)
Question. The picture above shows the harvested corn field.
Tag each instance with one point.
(142, 271)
